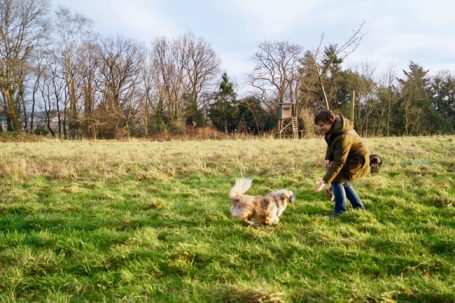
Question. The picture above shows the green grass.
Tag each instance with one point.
(93, 221)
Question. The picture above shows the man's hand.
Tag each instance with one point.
(326, 164)
(319, 186)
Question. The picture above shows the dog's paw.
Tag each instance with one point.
(272, 221)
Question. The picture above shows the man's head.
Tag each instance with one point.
(324, 119)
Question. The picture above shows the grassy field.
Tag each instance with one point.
(98, 221)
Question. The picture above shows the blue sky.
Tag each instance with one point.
(396, 31)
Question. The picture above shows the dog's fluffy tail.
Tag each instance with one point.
(240, 187)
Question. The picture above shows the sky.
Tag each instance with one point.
(395, 31)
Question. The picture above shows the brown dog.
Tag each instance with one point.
(258, 210)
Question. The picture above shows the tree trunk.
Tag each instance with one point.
(12, 113)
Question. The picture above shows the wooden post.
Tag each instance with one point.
(353, 106)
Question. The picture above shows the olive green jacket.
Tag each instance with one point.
(348, 154)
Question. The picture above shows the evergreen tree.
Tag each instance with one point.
(389, 114)
(252, 118)
(161, 120)
(443, 101)
(193, 115)
(223, 112)
(416, 101)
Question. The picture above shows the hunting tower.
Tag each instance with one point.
(287, 121)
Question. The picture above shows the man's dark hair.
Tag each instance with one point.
(325, 116)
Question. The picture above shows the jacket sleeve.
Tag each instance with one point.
(341, 149)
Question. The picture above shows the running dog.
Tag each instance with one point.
(258, 210)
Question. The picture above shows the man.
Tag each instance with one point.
(346, 159)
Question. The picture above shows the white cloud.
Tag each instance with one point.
(142, 18)
(394, 39)
(270, 18)
(396, 31)
(137, 19)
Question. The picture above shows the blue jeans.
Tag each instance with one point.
(341, 191)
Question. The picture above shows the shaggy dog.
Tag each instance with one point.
(258, 210)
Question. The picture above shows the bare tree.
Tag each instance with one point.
(121, 62)
(70, 36)
(52, 88)
(23, 24)
(150, 96)
(55, 98)
(89, 72)
(168, 74)
(364, 97)
(200, 67)
(276, 72)
(47, 104)
(320, 64)
(38, 74)
(182, 71)
(388, 83)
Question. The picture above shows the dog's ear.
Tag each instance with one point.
(293, 197)
(288, 195)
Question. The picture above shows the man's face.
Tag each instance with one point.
(323, 127)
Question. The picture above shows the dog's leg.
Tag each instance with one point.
(248, 221)
(271, 220)
(251, 223)
(275, 220)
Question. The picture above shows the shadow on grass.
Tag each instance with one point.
(425, 297)
(242, 295)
